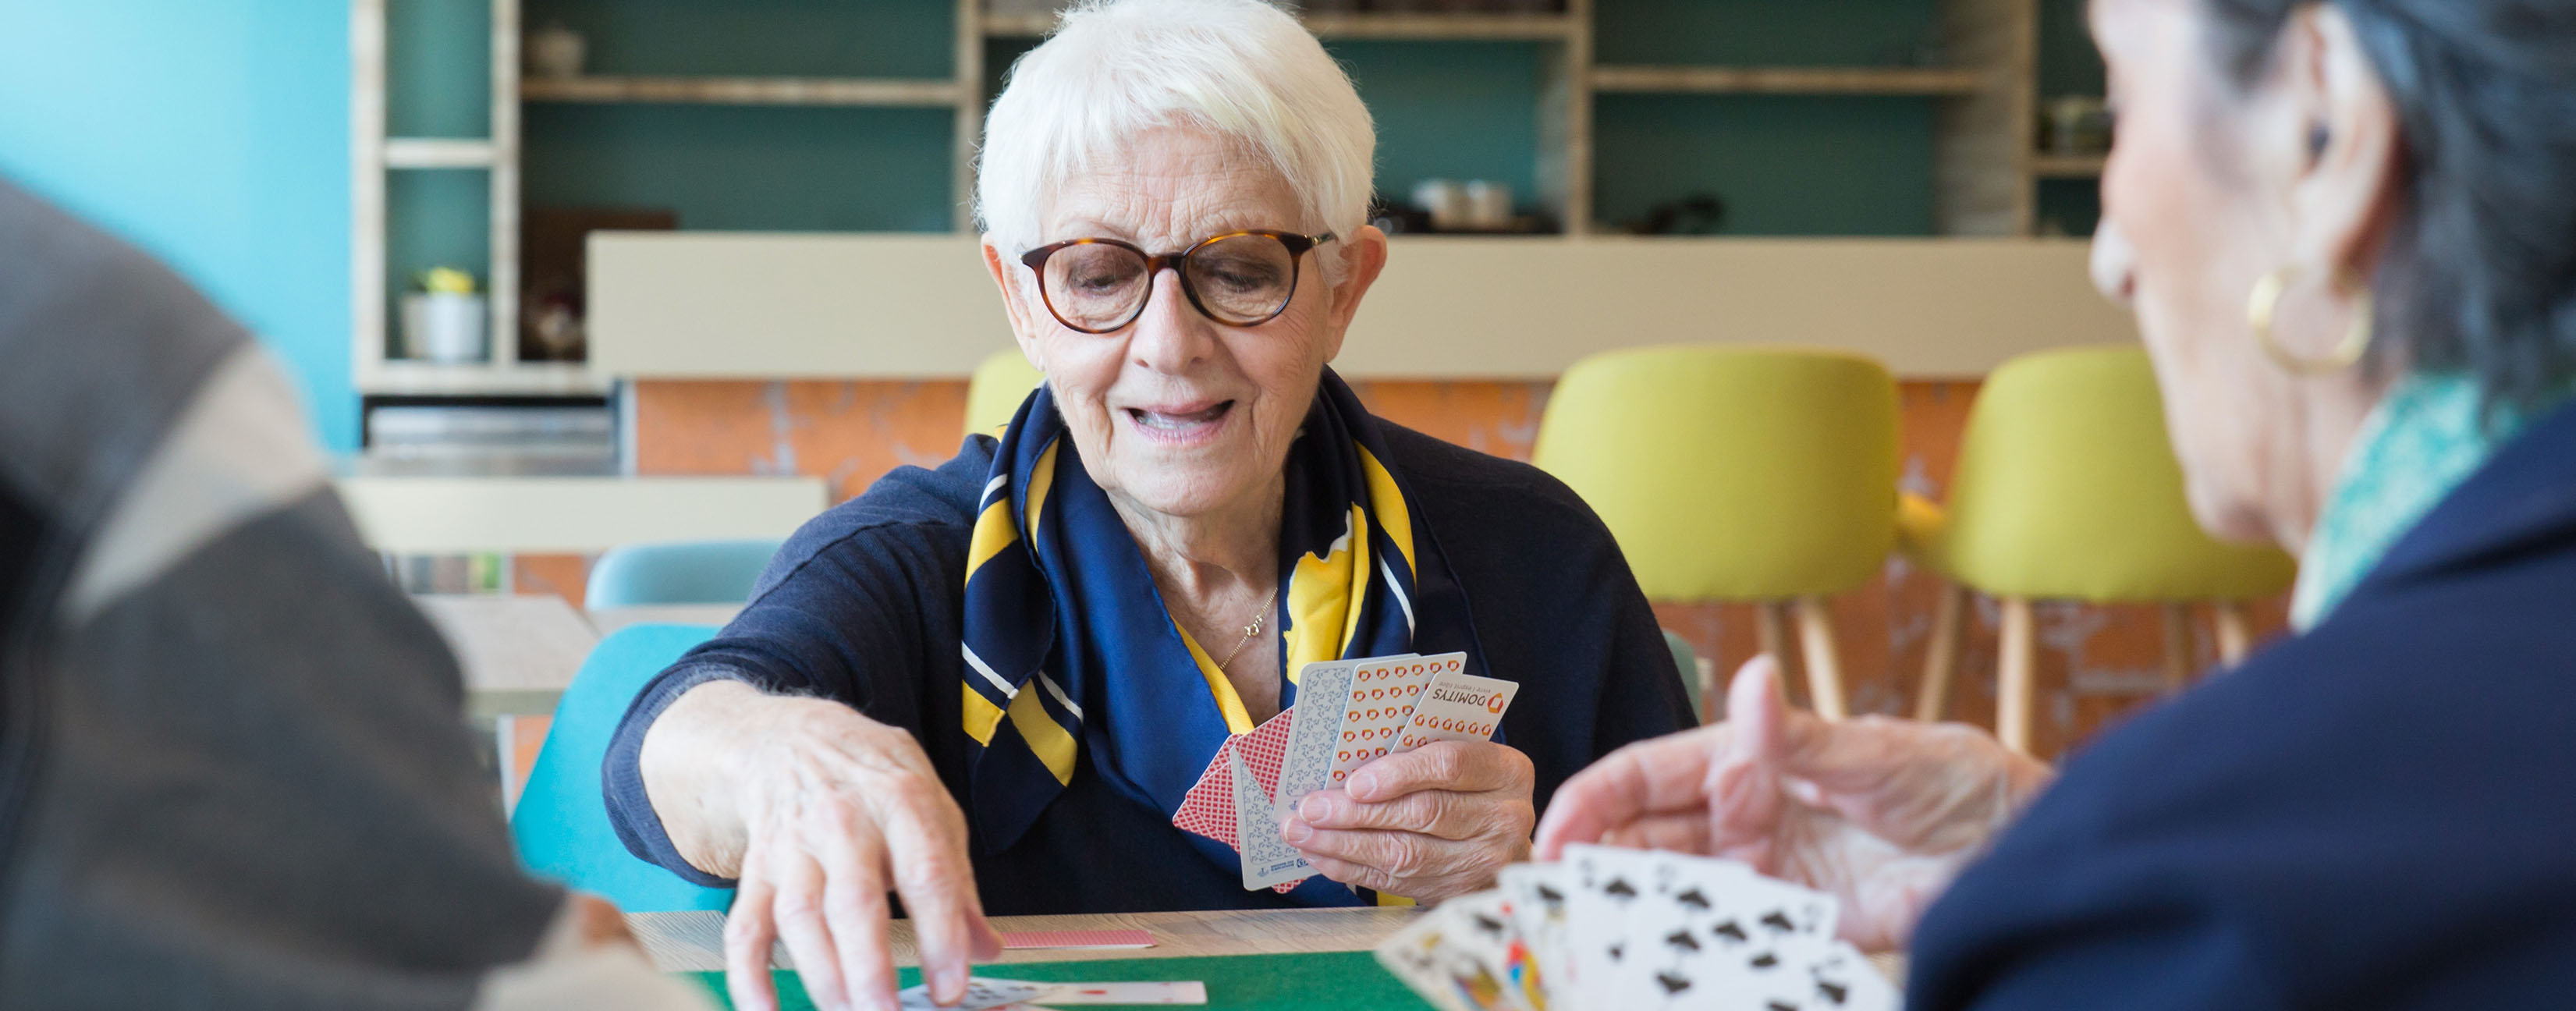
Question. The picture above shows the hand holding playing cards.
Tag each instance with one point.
(1427, 824)
(1879, 812)
(820, 811)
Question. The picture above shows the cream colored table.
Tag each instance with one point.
(694, 941)
(518, 653)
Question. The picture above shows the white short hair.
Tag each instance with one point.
(1241, 69)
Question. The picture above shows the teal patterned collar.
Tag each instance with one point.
(2426, 437)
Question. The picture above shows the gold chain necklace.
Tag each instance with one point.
(1249, 631)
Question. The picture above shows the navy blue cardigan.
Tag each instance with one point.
(863, 605)
(2380, 813)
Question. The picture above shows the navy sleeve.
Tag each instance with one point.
(2368, 816)
(849, 610)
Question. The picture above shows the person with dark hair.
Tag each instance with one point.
(2348, 231)
(234, 771)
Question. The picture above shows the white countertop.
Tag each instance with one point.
(891, 306)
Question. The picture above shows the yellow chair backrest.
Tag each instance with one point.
(997, 389)
(2066, 487)
(1731, 473)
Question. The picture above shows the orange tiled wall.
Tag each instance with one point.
(2096, 663)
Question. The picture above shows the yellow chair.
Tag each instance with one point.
(2066, 488)
(994, 393)
(1737, 474)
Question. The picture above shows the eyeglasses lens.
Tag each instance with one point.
(1243, 280)
(1096, 286)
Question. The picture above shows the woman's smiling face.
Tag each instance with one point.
(1176, 413)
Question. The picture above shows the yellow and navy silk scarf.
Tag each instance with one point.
(1068, 647)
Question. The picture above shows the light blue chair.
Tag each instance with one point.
(1687, 660)
(561, 823)
(686, 572)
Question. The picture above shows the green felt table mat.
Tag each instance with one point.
(1344, 979)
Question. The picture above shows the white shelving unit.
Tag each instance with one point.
(373, 155)
(1985, 169)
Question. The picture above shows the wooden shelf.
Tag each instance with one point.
(2067, 166)
(1419, 27)
(437, 153)
(1791, 80)
(933, 93)
(419, 378)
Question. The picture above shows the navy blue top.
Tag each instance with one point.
(2380, 813)
(864, 605)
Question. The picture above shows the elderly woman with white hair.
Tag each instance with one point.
(988, 687)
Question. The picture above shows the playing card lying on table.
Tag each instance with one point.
(1628, 930)
(1002, 994)
(1348, 713)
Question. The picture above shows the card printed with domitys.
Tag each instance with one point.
(1457, 706)
(1381, 703)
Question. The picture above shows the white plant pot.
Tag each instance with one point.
(445, 327)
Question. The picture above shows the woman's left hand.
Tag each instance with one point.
(1430, 824)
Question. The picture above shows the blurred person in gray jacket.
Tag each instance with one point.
(233, 768)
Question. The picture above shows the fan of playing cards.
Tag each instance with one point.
(1633, 931)
(1347, 713)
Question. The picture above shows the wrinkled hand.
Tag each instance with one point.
(1430, 824)
(837, 810)
(1881, 813)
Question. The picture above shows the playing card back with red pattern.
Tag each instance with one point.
(1208, 809)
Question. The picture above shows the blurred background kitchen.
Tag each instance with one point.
(560, 277)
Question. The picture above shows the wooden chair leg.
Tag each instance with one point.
(2235, 632)
(1941, 654)
(2178, 651)
(2016, 681)
(1771, 632)
(1823, 661)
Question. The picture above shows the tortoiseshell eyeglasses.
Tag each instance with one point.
(1238, 278)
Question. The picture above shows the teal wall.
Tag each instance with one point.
(1765, 33)
(1782, 164)
(748, 168)
(777, 38)
(2068, 63)
(1451, 110)
(215, 135)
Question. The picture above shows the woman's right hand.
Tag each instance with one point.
(1881, 813)
(819, 811)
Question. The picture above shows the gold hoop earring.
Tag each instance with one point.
(2265, 304)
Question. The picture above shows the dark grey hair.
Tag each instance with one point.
(2481, 273)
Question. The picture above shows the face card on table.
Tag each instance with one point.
(1381, 703)
(1416, 954)
(1481, 927)
(1537, 894)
